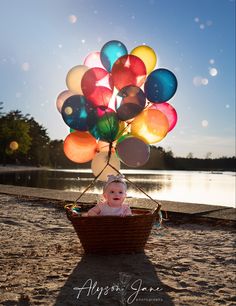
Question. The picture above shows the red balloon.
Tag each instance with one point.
(128, 70)
(97, 86)
(168, 111)
(101, 96)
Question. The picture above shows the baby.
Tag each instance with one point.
(114, 193)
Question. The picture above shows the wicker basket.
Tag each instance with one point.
(113, 234)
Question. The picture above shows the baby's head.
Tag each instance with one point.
(114, 191)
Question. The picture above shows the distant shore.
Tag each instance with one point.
(16, 168)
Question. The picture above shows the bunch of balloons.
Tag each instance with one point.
(116, 106)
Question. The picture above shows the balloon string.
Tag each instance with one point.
(109, 125)
(126, 127)
(140, 189)
(96, 177)
(108, 163)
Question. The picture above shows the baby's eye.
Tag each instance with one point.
(111, 191)
(120, 192)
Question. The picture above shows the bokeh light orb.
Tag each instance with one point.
(13, 145)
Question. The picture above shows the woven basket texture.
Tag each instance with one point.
(114, 234)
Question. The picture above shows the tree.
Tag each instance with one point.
(39, 151)
(190, 155)
(14, 129)
(208, 155)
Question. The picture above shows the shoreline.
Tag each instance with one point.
(188, 209)
(193, 209)
(15, 168)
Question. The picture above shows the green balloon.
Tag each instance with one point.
(104, 124)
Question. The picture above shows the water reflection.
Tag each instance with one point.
(180, 186)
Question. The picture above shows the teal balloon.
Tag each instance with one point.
(110, 52)
(75, 112)
(160, 86)
(104, 124)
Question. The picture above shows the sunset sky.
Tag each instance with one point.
(41, 40)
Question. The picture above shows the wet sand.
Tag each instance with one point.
(187, 262)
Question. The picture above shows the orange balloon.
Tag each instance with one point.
(151, 126)
(80, 147)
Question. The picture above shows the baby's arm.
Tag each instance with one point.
(94, 211)
(127, 210)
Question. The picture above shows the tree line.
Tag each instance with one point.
(24, 141)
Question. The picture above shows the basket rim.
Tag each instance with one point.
(98, 217)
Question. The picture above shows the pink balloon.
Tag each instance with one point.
(62, 98)
(93, 60)
(168, 111)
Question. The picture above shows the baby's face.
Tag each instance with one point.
(115, 194)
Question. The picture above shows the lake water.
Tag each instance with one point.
(215, 188)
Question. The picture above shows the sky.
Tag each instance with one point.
(41, 40)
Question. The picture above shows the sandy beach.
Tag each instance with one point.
(187, 262)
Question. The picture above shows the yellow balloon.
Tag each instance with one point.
(100, 161)
(74, 77)
(151, 126)
(123, 129)
(147, 55)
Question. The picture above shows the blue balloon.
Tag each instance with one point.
(75, 112)
(110, 52)
(160, 86)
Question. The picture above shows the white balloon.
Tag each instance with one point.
(99, 162)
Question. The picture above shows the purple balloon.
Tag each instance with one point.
(132, 151)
